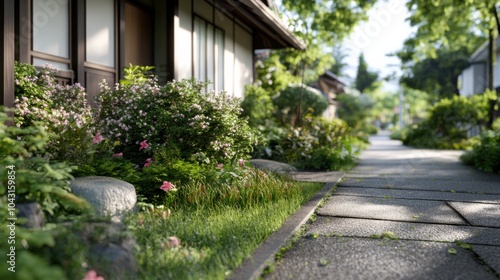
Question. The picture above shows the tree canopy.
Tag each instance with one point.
(438, 76)
(450, 25)
(321, 24)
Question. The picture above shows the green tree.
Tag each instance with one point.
(366, 80)
(320, 24)
(452, 24)
(339, 64)
(437, 76)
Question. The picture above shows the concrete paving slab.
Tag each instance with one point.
(488, 187)
(402, 170)
(390, 209)
(358, 258)
(479, 214)
(331, 226)
(427, 195)
(490, 255)
(478, 177)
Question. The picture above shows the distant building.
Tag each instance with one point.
(474, 79)
(331, 86)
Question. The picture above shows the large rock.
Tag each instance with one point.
(110, 249)
(33, 214)
(273, 166)
(108, 196)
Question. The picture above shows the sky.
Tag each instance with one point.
(383, 33)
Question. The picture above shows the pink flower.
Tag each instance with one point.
(92, 275)
(118, 155)
(220, 166)
(173, 242)
(144, 145)
(167, 186)
(97, 138)
(148, 162)
(241, 162)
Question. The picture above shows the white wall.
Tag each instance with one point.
(183, 42)
(467, 82)
(473, 80)
(227, 24)
(496, 70)
(238, 45)
(243, 63)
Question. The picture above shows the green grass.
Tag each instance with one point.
(219, 230)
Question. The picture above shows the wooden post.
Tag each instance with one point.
(7, 42)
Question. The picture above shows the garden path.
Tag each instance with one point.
(402, 213)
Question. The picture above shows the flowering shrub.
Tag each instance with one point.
(63, 111)
(178, 115)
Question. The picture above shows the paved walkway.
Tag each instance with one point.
(402, 213)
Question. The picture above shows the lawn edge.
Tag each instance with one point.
(263, 256)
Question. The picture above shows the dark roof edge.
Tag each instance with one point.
(265, 13)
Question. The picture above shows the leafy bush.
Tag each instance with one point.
(26, 176)
(485, 155)
(166, 165)
(354, 110)
(449, 122)
(178, 115)
(289, 101)
(399, 134)
(320, 145)
(257, 106)
(36, 179)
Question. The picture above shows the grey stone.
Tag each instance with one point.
(108, 196)
(112, 249)
(33, 214)
(361, 258)
(390, 209)
(479, 214)
(273, 166)
(351, 227)
(114, 262)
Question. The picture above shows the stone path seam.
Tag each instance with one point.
(253, 267)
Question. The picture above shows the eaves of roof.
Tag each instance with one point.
(481, 54)
(269, 31)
